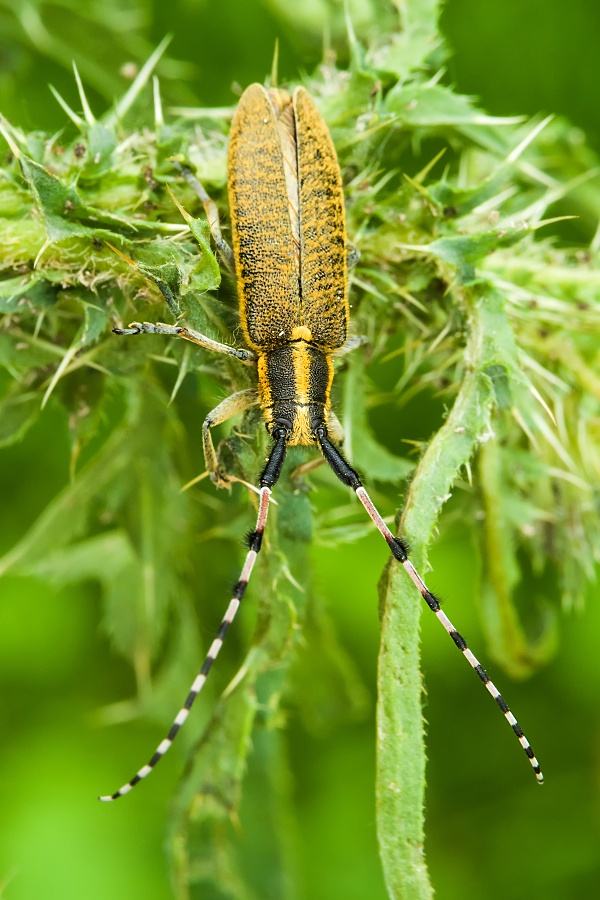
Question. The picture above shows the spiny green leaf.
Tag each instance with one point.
(400, 782)
(94, 323)
(517, 653)
(20, 358)
(66, 215)
(99, 558)
(461, 201)
(102, 144)
(370, 456)
(435, 105)
(66, 517)
(33, 287)
(464, 252)
(501, 384)
(18, 411)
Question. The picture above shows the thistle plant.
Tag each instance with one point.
(456, 283)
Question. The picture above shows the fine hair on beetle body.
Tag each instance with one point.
(290, 259)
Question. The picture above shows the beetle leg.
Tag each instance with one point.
(352, 255)
(237, 403)
(336, 432)
(305, 468)
(245, 356)
(353, 343)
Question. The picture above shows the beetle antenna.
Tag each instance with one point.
(268, 478)
(349, 476)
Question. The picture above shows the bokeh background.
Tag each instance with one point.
(491, 833)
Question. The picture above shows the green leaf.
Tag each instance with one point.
(400, 748)
(102, 143)
(327, 686)
(18, 411)
(461, 201)
(98, 558)
(139, 587)
(22, 357)
(66, 215)
(499, 377)
(208, 276)
(203, 843)
(66, 518)
(37, 291)
(94, 323)
(366, 453)
(508, 642)
(434, 105)
(463, 252)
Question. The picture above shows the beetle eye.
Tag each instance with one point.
(281, 423)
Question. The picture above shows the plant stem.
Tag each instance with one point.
(400, 731)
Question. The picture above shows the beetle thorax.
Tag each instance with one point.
(294, 382)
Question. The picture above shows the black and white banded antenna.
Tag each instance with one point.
(399, 550)
(268, 478)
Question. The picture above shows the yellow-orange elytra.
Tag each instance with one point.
(289, 244)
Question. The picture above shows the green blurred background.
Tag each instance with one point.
(491, 833)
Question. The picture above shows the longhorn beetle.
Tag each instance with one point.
(289, 254)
